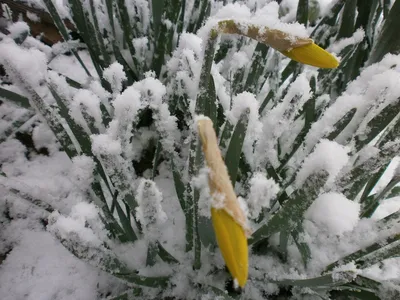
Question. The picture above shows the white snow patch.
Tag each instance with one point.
(262, 191)
(328, 156)
(334, 212)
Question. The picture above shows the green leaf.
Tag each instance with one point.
(234, 151)
(342, 124)
(179, 186)
(322, 281)
(395, 192)
(292, 211)
(366, 256)
(368, 210)
(225, 135)
(125, 221)
(99, 37)
(110, 13)
(303, 247)
(353, 182)
(348, 19)
(151, 254)
(25, 196)
(210, 102)
(164, 39)
(130, 73)
(378, 124)
(15, 126)
(205, 85)
(63, 30)
(259, 60)
(302, 12)
(81, 136)
(14, 98)
(289, 70)
(371, 184)
(206, 233)
(309, 119)
(388, 40)
(129, 31)
(199, 12)
(157, 9)
(165, 255)
(153, 282)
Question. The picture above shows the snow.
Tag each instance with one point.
(115, 75)
(334, 213)
(327, 156)
(262, 191)
(240, 104)
(357, 37)
(34, 270)
(150, 211)
(85, 101)
(103, 144)
(30, 64)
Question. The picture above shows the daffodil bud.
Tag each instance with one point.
(229, 220)
(300, 49)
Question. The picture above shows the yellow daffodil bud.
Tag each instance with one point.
(229, 220)
(300, 49)
(312, 55)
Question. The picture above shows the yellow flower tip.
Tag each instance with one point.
(232, 242)
(312, 55)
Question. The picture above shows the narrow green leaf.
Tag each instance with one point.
(303, 247)
(226, 135)
(130, 32)
(157, 9)
(388, 40)
(354, 293)
(342, 124)
(309, 119)
(164, 39)
(25, 196)
(283, 244)
(63, 30)
(110, 13)
(153, 282)
(234, 150)
(15, 126)
(369, 251)
(292, 211)
(348, 19)
(130, 73)
(368, 210)
(165, 255)
(378, 124)
(151, 254)
(325, 280)
(125, 222)
(211, 104)
(386, 8)
(395, 192)
(302, 12)
(14, 98)
(371, 184)
(179, 186)
(259, 60)
(99, 36)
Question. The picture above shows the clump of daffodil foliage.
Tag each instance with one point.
(216, 149)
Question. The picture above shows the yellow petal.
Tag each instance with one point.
(232, 242)
(312, 55)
